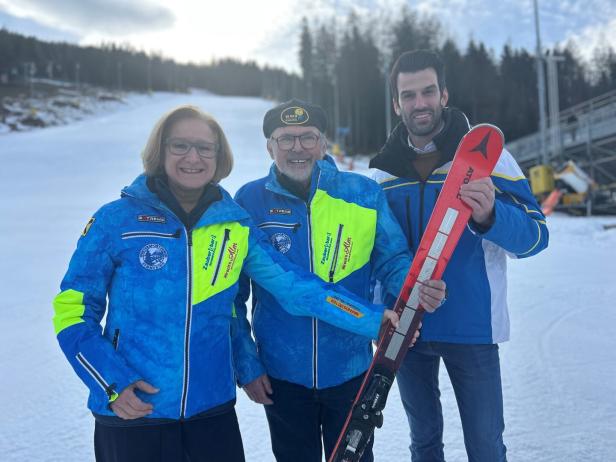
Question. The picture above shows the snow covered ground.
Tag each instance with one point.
(559, 369)
(54, 103)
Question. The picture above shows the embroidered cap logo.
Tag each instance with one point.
(294, 116)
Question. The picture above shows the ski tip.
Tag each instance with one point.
(486, 139)
(489, 127)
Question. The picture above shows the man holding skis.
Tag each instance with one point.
(337, 225)
(506, 220)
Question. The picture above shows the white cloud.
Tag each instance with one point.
(101, 16)
(596, 36)
(268, 31)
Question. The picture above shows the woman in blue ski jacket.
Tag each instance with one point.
(162, 264)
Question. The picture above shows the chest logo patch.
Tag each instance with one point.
(151, 219)
(153, 256)
(281, 242)
(280, 211)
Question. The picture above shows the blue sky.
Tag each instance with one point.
(267, 31)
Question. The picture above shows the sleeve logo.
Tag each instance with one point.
(88, 226)
(345, 307)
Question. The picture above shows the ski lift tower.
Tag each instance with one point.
(556, 142)
(544, 156)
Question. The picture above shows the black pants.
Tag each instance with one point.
(210, 439)
(301, 416)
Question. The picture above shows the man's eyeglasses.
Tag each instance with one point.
(306, 141)
(181, 147)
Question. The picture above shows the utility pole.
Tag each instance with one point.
(544, 156)
(119, 67)
(333, 74)
(554, 106)
(149, 75)
(386, 65)
(29, 73)
(336, 106)
(77, 66)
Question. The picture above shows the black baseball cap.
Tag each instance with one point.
(294, 112)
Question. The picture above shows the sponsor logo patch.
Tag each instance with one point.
(280, 211)
(153, 256)
(347, 248)
(232, 252)
(294, 116)
(281, 242)
(326, 248)
(88, 226)
(152, 219)
(345, 307)
(211, 250)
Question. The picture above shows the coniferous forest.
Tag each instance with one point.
(343, 60)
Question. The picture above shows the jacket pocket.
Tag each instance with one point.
(136, 234)
(279, 224)
(221, 255)
(332, 268)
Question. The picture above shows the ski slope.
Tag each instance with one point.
(559, 369)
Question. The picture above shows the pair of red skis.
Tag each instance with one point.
(475, 158)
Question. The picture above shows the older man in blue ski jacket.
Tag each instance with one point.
(337, 225)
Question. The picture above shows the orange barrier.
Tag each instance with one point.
(547, 206)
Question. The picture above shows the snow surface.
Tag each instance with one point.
(559, 373)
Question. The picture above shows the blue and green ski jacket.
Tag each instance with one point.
(347, 235)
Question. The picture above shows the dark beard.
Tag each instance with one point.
(413, 129)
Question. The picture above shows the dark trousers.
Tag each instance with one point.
(474, 371)
(210, 439)
(301, 417)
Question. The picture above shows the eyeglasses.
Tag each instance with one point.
(306, 141)
(181, 147)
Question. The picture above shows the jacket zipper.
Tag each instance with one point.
(409, 223)
(109, 389)
(132, 234)
(116, 339)
(315, 321)
(422, 187)
(332, 269)
(278, 224)
(186, 377)
(221, 255)
(315, 326)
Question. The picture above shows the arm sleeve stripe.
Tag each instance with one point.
(518, 202)
(538, 239)
(401, 184)
(69, 308)
(510, 178)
